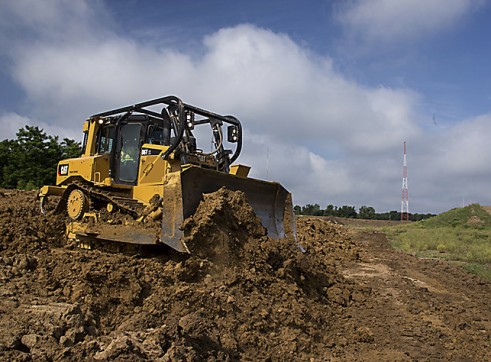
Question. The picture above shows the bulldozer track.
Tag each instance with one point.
(124, 204)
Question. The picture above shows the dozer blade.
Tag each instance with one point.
(183, 192)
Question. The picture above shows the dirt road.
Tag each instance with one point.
(424, 310)
(347, 297)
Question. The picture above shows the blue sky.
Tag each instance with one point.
(329, 90)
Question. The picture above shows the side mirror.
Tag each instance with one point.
(233, 134)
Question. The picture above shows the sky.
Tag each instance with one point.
(327, 91)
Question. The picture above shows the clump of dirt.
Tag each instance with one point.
(23, 228)
(222, 224)
(326, 238)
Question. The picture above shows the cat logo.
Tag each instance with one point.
(63, 170)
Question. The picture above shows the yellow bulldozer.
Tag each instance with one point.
(144, 162)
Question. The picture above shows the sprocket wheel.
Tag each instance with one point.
(77, 204)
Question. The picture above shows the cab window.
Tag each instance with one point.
(84, 142)
(105, 139)
(130, 152)
(155, 135)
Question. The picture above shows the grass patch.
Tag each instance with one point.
(484, 271)
(472, 216)
(462, 235)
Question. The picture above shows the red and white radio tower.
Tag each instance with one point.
(405, 194)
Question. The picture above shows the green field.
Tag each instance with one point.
(460, 235)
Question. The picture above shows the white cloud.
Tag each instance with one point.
(325, 137)
(278, 87)
(460, 151)
(390, 21)
(299, 169)
(452, 165)
(53, 20)
(11, 122)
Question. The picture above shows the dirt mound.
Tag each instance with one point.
(22, 228)
(331, 240)
(272, 300)
(223, 223)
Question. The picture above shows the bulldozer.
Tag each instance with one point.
(154, 161)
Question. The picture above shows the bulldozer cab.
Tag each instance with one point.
(123, 141)
(122, 133)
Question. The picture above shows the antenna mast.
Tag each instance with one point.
(405, 194)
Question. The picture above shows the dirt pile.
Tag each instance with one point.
(223, 223)
(22, 228)
(269, 300)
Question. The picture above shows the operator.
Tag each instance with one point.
(129, 152)
(129, 161)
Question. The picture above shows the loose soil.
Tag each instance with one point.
(338, 294)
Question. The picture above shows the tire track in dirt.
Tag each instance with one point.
(418, 309)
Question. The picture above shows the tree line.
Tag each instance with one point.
(364, 212)
(29, 161)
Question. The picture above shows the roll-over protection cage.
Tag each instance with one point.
(178, 121)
